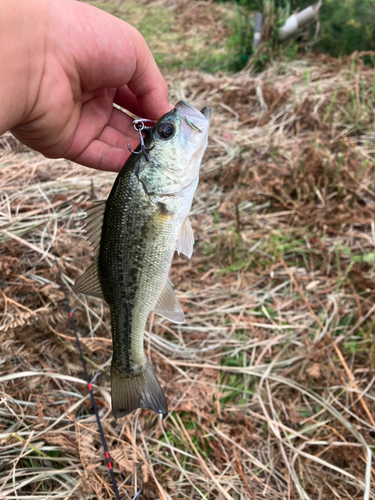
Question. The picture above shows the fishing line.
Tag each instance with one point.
(89, 386)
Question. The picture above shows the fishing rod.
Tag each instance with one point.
(89, 386)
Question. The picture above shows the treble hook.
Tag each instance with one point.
(139, 125)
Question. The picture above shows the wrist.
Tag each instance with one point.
(22, 38)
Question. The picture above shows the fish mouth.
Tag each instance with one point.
(197, 120)
(206, 112)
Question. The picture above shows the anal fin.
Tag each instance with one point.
(168, 305)
(137, 391)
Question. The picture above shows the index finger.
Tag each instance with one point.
(126, 99)
(147, 83)
(112, 54)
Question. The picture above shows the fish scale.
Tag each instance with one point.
(137, 230)
(123, 236)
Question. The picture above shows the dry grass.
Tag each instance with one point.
(270, 380)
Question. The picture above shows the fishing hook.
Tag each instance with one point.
(140, 126)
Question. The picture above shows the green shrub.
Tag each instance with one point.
(345, 26)
(240, 44)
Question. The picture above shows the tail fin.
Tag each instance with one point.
(139, 391)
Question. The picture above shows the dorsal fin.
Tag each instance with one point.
(185, 240)
(94, 223)
(168, 305)
(89, 282)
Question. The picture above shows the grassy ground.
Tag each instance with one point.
(181, 34)
(270, 380)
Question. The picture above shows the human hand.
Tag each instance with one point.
(80, 60)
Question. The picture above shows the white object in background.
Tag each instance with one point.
(299, 20)
(258, 24)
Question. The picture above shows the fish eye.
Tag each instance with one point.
(166, 130)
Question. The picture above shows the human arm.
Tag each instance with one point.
(64, 65)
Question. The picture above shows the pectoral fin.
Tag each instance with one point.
(89, 282)
(185, 239)
(168, 306)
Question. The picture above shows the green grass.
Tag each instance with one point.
(172, 48)
(236, 388)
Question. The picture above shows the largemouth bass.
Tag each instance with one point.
(136, 232)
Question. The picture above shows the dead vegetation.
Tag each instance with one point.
(270, 381)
